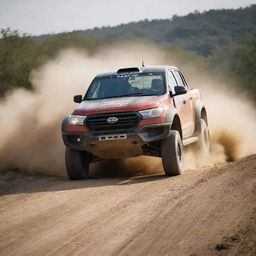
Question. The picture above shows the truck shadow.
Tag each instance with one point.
(104, 173)
(19, 183)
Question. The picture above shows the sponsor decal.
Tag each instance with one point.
(114, 105)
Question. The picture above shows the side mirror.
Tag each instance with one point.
(180, 90)
(78, 98)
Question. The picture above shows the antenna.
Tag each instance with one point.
(142, 64)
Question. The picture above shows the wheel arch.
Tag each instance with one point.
(200, 113)
(176, 125)
(204, 115)
(172, 116)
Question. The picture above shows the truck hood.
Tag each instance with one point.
(118, 104)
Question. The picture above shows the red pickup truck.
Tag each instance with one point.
(131, 112)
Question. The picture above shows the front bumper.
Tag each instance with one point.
(120, 148)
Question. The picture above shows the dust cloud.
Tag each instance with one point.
(232, 124)
(127, 167)
(30, 138)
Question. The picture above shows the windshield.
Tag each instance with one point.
(126, 85)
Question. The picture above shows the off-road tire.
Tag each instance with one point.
(203, 144)
(77, 164)
(172, 154)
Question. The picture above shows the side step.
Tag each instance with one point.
(189, 140)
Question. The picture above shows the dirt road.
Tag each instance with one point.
(211, 211)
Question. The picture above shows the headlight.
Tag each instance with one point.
(76, 120)
(151, 113)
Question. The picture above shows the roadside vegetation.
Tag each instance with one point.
(222, 40)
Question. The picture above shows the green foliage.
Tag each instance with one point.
(202, 33)
(66, 40)
(245, 58)
(244, 65)
(19, 54)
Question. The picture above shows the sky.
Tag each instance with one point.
(38, 17)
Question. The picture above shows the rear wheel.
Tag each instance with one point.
(172, 154)
(77, 164)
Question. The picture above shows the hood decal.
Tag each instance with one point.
(106, 105)
(119, 104)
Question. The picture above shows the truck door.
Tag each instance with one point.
(191, 104)
(185, 105)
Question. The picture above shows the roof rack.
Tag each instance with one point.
(127, 70)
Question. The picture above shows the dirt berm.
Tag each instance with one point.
(209, 211)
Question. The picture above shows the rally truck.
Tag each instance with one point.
(131, 112)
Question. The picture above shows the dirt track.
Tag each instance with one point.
(203, 212)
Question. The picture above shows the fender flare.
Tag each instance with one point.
(171, 113)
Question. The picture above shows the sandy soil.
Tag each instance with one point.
(211, 211)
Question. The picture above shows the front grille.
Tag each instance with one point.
(125, 120)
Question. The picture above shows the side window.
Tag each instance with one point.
(173, 82)
(178, 78)
(183, 79)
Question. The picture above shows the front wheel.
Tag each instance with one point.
(77, 164)
(172, 154)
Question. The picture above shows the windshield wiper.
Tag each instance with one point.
(131, 94)
(122, 95)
